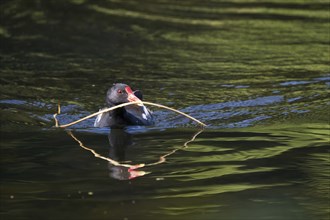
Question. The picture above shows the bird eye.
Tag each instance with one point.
(119, 91)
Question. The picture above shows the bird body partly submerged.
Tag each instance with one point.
(129, 115)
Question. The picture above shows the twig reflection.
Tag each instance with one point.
(124, 171)
(162, 158)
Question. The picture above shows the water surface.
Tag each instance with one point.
(257, 73)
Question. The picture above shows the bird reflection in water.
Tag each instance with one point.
(119, 141)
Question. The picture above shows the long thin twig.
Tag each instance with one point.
(125, 104)
(174, 110)
(57, 113)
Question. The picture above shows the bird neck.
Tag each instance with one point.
(118, 111)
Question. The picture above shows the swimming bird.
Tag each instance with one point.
(137, 114)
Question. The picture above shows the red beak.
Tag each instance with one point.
(131, 97)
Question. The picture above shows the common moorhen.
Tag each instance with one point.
(129, 115)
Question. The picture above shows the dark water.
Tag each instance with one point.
(256, 72)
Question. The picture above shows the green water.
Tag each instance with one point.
(256, 72)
